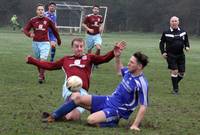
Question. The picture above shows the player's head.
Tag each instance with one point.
(95, 9)
(52, 7)
(78, 46)
(174, 22)
(137, 62)
(40, 10)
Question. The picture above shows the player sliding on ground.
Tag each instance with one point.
(108, 110)
(79, 64)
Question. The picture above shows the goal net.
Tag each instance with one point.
(71, 16)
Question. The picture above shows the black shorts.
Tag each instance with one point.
(176, 62)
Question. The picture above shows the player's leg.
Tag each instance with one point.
(102, 115)
(107, 117)
(96, 118)
(86, 102)
(172, 65)
(66, 108)
(14, 27)
(36, 53)
(98, 43)
(181, 67)
(53, 40)
(89, 43)
(44, 48)
(76, 113)
(174, 78)
(53, 50)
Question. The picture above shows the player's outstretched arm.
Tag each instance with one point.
(99, 59)
(117, 51)
(139, 118)
(44, 64)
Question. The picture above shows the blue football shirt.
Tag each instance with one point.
(52, 17)
(131, 91)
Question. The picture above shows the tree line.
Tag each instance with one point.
(123, 15)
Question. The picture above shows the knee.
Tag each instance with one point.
(174, 73)
(76, 97)
(75, 115)
(98, 47)
(91, 120)
(181, 74)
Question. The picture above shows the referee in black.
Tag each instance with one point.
(172, 45)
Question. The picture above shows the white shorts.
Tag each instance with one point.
(66, 93)
(41, 49)
(92, 40)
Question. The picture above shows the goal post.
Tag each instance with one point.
(70, 17)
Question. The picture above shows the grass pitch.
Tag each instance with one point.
(22, 99)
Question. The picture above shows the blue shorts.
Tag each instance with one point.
(66, 93)
(112, 115)
(92, 40)
(41, 49)
(52, 37)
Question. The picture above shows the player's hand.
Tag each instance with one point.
(59, 42)
(101, 29)
(135, 128)
(119, 47)
(53, 44)
(28, 58)
(32, 35)
(91, 30)
(164, 55)
(187, 49)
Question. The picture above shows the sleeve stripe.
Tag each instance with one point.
(144, 90)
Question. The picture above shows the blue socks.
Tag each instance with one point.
(53, 52)
(64, 109)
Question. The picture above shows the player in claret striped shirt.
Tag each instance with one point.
(93, 26)
(41, 46)
(172, 45)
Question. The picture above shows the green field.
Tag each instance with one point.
(22, 99)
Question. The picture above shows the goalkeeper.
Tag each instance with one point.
(14, 23)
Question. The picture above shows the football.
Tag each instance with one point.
(74, 83)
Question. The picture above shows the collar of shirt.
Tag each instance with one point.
(171, 29)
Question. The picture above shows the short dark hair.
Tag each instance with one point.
(77, 39)
(52, 3)
(96, 6)
(141, 58)
(39, 4)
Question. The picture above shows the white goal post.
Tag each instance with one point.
(71, 16)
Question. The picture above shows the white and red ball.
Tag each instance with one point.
(74, 83)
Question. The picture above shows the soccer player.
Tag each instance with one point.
(52, 16)
(172, 44)
(79, 64)
(93, 26)
(41, 46)
(14, 22)
(108, 110)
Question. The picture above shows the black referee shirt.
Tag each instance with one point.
(174, 41)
